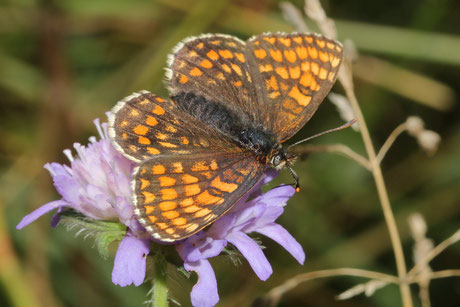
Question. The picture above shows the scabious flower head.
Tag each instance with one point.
(97, 184)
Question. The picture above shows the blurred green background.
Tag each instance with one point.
(65, 62)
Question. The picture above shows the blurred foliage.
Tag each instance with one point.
(64, 63)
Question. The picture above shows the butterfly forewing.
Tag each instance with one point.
(215, 67)
(178, 195)
(294, 72)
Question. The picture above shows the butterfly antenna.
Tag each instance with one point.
(346, 125)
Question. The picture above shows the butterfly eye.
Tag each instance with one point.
(276, 160)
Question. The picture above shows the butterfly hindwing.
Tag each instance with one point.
(294, 72)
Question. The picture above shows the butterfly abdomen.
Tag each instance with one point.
(226, 121)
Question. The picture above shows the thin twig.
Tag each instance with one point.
(335, 148)
(444, 274)
(390, 140)
(276, 293)
(434, 252)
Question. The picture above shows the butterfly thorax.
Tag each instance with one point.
(214, 114)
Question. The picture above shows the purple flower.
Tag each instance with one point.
(97, 184)
(256, 215)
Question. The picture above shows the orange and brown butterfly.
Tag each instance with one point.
(232, 105)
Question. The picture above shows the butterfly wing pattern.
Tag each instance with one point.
(191, 171)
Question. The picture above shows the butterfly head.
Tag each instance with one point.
(281, 158)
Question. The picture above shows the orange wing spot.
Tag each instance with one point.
(143, 140)
(200, 45)
(152, 219)
(177, 167)
(167, 144)
(151, 121)
(170, 129)
(143, 171)
(285, 41)
(282, 72)
(170, 214)
(124, 123)
(269, 39)
(323, 56)
(160, 99)
(305, 66)
(221, 76)
(265, 68)
(202, 212)
(294, 72)
(313, 52)
(292, 106)
(184, 140)
(315, 68)
(153, 151)
(195, 72)
(167, 205)
(211, 81)
(206, 64)
(183, 79)
(215, 42)
(213, 165)
(335, 62)
(161, 136)
(231, 44)
(321, 43)
(134, 112)
(244, 171)
(212, 55)
(237, 83)
(330, 45)
(166, 181)
(297, 39)
(273, 95)
(192, 189)
(314, 85)
(187, 202)
(158, 110)
(207, 175)
(271, 83)
(148, 197)
(200, 166)
(309, 39)
(207, 199)
(223, 186)
(162, 225)
(149, 209)
(179, 221)
(284, 87)
(144, 183)
(170, 231)
(144, 102)
(124, 136)
(338, 48)
(158, 169)
(188, 179)
(226, 54)
(276, 55)
(226, 68)
(302, 52)
(192, 209)
(237, 69)
(323, 73)
(331, 76)
(260, 53)
(240, 57)
(299, 97)
(192, 54)
(290, 55)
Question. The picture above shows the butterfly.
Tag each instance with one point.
(232, 105)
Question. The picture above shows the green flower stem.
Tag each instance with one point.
(159, 290)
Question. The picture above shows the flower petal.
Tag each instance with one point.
(253, 254)
(281, 236)
(29, 218)
(204, 293)
(130, 261)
